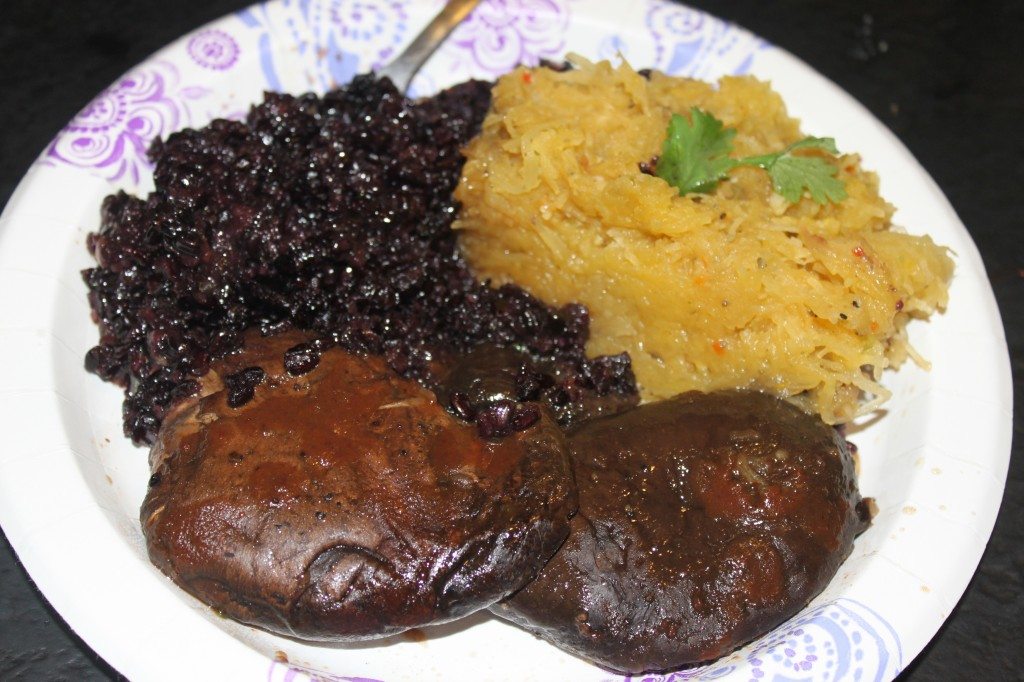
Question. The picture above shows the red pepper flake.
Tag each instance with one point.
(859, 252)
(719, 347)
(874, 326)
(899, 305)
(527, 77)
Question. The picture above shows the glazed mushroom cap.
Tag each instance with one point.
(344, 503)
(704, 521)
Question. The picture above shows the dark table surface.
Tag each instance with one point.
(944, 75)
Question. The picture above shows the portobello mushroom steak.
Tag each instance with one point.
(346, 503)
(705, 520)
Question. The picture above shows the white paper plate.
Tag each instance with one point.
(71, 485)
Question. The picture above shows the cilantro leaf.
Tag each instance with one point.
(825, 143)
(791, 175)
(695, 154)
(695, 158)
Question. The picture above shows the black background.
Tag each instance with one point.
(944, 75)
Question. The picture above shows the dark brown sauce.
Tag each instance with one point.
(347, 503)
(704, 521)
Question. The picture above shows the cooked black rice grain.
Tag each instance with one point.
(328, 214)
(301, 359)
(241, 386)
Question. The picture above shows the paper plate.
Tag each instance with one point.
(71, 485)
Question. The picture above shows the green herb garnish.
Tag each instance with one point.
(695, 158)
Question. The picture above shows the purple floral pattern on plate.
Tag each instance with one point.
(688, 42)
(213, 49)
(340, 24)
(112, 134)
(335, 38)
(502, 34)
